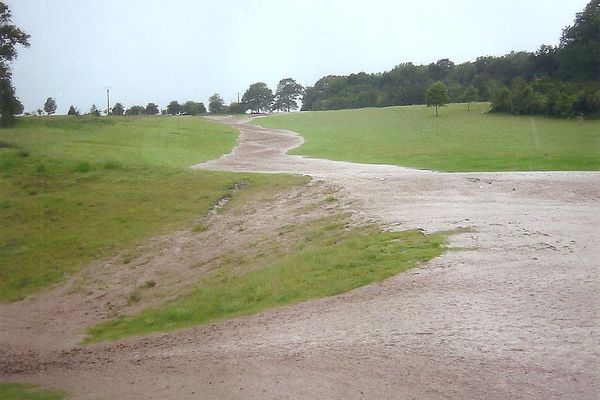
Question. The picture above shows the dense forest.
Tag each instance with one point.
(562, 80)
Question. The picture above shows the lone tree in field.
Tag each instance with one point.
(437, 96)
(288, 91)
(10, 36)
(471, 94)
(50, 106)
(258, 97)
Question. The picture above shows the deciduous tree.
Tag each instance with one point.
(50, 106)
(174, 108)
(10, 37)
(258, 97)
(118, 109)
(215, 104)
(437, 96)
(471, 94)
(72, 111)
(286, 94)
(151, 109)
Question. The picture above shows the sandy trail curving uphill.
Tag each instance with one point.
(513, 313)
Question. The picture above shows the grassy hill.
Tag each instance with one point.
(77, 189)
(457, 140)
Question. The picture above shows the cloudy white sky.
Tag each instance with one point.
(157, 51)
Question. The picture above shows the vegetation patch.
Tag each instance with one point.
(18, 391)
(329, 258)
(457, 140)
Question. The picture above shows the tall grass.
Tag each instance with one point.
(457, 140)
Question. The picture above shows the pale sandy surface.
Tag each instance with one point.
(512, 312)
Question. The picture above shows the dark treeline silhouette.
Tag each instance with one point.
(561, 80)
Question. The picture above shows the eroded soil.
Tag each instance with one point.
(511, 312)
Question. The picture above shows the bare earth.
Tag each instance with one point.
(511, 312)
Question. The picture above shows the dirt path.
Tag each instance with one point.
(515, 314)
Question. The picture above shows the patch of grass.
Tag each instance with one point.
(18, 391)
(457, 140)
(57, 219)
(329, 259)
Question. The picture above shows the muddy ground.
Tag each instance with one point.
(511, 312)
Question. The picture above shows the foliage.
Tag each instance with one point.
(258, 97)
(173, 108)
(579, 49)
(327, 260)
(19, 391)
(151, 109)
(50, 106)
(237, 108)
(193, 108)
(471, 94)
(72, 111)
(136, 110)
(286, 96)
(572, 70)
(118, 109)
(458, 140)
(215, 104)
(10, 37)
(94, 112)
(437, 96)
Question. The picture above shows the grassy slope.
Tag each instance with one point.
(17, 391)
(457, 140)
(328, 259)
(73, 190)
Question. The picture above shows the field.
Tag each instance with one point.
(457, 140)
(77, 189)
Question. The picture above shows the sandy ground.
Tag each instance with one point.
(511, 312)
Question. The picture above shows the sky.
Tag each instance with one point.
(158, 51)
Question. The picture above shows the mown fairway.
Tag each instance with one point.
(457, 140)
(77, 189)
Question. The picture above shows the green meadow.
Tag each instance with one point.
(328, 259)
(456, 140)
(77, 189)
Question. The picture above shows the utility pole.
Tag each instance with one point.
(107, 101)
(238, 97)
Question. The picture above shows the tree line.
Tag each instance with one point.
(257, 98)
(561, 80)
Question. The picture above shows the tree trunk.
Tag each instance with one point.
(436, 110)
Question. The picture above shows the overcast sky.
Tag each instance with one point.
(157, 51)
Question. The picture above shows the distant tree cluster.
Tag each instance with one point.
(561, 81)
(260, 98)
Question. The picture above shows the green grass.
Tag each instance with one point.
(328, 259)
(159, 141)
(18, 391)
(457, 140)
(73, 190)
